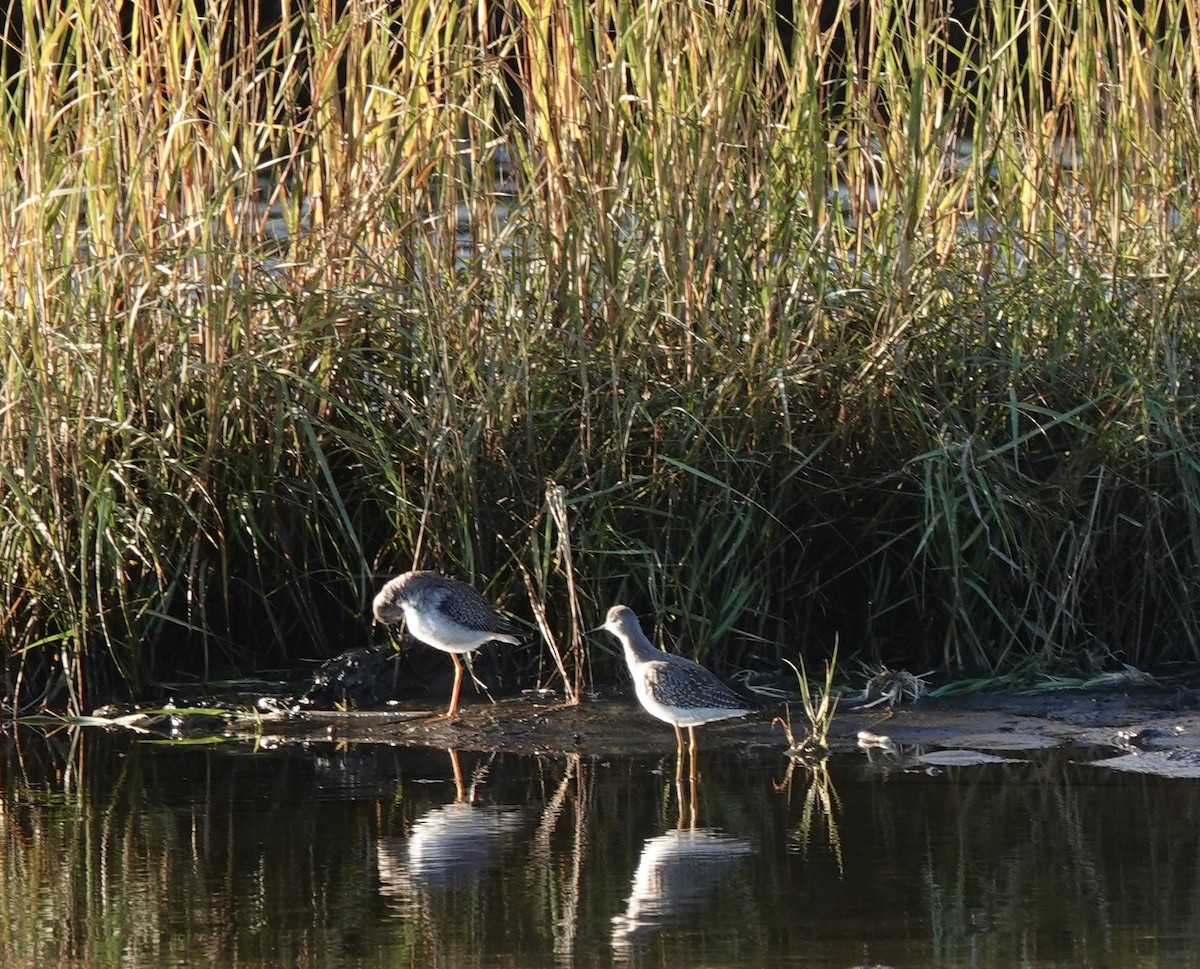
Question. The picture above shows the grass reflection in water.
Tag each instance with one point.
(119, 853)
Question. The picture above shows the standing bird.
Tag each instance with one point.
(443, 613)
(670, 687)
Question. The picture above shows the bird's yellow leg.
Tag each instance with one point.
(694, 800)
(459, 790)
(458, 671)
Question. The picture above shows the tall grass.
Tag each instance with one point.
(877, 324)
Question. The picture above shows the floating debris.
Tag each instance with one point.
(892, 687)
(1163, 763)
(963, 758)
(875, 741)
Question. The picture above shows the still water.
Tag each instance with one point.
(120, 852)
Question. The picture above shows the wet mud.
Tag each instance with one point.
(1156, 731)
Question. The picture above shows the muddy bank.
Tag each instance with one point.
(1146, 730)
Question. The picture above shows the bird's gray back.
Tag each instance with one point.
(677, 681)
(462, 604)
(457, 602)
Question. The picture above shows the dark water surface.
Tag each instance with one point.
(120, 852)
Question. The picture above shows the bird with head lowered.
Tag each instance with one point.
(446, 614)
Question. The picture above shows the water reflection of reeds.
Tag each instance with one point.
(118, 853)
(820, 806)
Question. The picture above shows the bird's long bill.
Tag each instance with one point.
(604, 645)
(392, 631)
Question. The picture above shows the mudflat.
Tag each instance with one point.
(1149, 730)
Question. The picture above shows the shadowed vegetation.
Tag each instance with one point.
(878, 324)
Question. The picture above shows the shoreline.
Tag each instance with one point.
(1147, 730)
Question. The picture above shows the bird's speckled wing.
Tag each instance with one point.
(462, 604)
(678, 681)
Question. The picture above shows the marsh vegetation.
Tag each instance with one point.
(870, 322)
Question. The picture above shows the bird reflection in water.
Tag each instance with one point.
(677, 874)
(449, 848)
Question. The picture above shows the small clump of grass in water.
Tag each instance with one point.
(811, 752)
(819, 707)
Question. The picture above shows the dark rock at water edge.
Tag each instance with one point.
(358, 678)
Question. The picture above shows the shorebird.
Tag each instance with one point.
(443, 613)
(670, 687)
